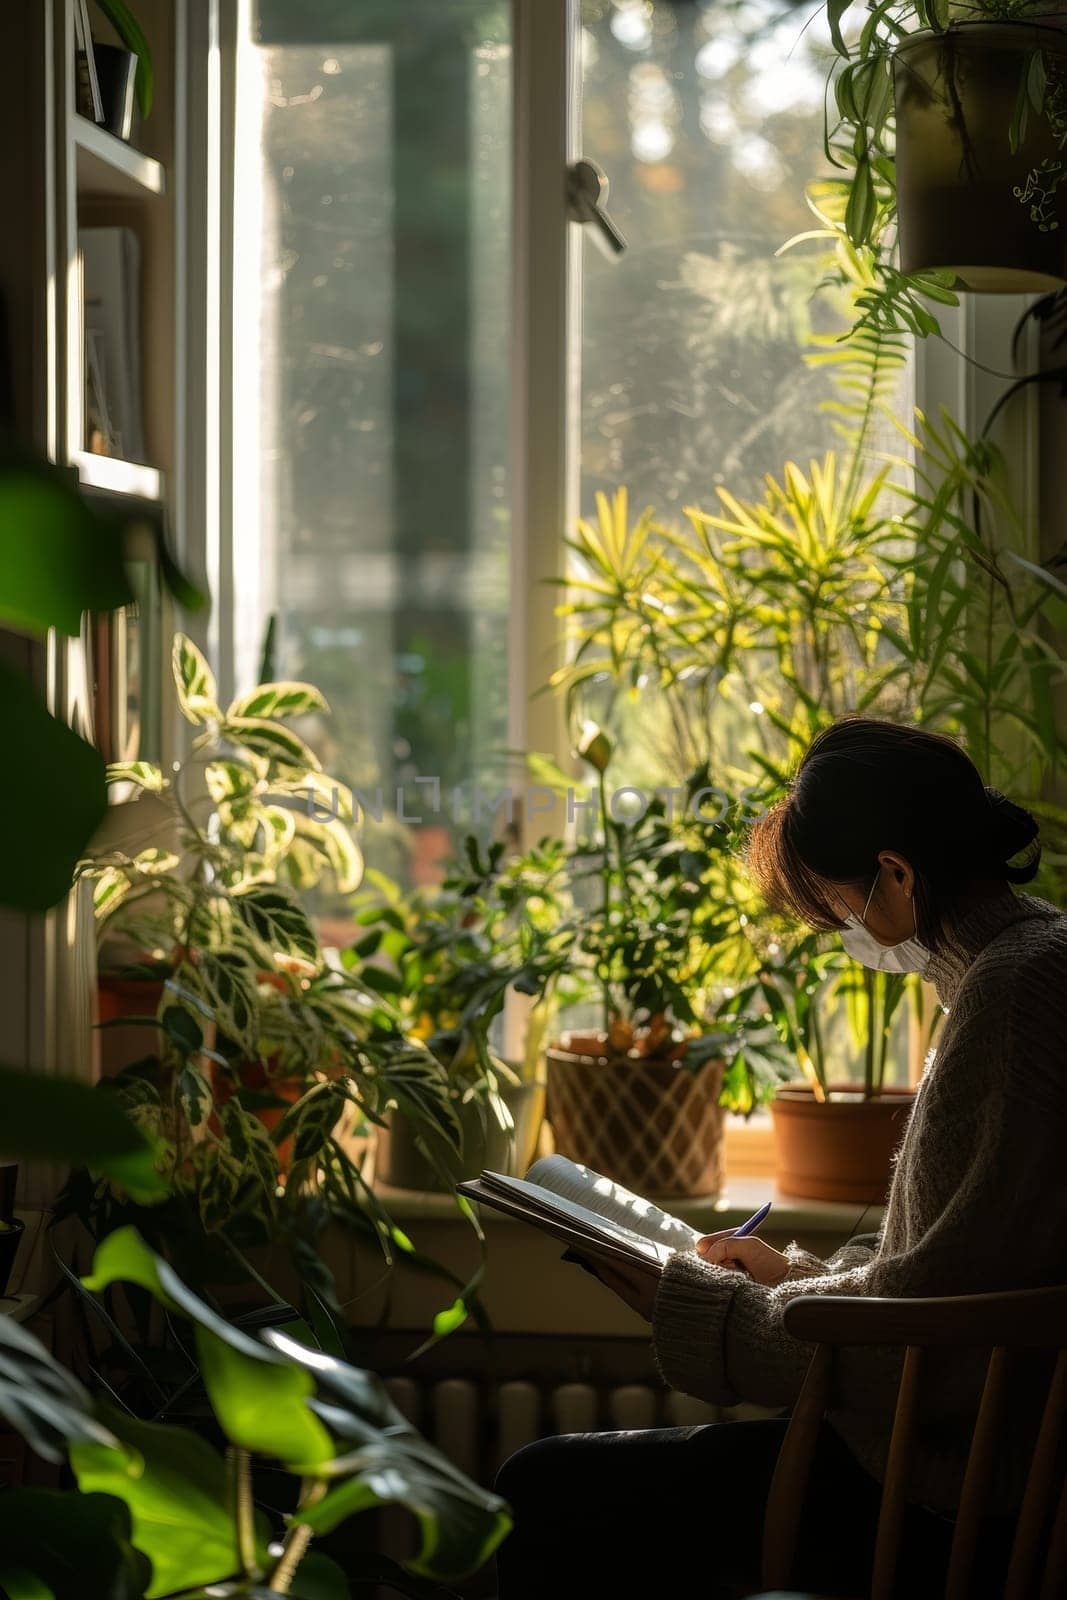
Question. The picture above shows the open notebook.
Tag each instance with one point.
(593, 1215)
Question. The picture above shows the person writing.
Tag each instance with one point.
(888, 837)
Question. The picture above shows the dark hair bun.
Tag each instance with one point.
(1014, 833)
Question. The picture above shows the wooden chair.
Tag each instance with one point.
(1026, 1321)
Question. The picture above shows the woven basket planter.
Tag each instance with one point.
(651, 1125)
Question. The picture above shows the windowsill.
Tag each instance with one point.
(748, 1147)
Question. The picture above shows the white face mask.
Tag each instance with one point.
(859, 942)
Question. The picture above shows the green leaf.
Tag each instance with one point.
(319, 1578)
(175, 1488)
(835, 10)
(447, 1321)
(1042, 574)
(67, 1546)
(58, 557)
(195, 682)
(862, 205)
(259, 1399)
(390, 1463)
(54, 801)
(54, 1119)
(279, 700)
(40, 1399)
(18, 1584)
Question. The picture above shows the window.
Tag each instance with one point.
(708, 119)
(372, 265)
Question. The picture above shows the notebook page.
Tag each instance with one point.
(543, 1199)
(609, 1199)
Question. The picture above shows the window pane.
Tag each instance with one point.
(372, 398)
(708, 119)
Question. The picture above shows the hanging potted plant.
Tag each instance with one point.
(660, 943)
(952, 127)
(447, 958)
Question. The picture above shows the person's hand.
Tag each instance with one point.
(760, 1261)
(635, 1285)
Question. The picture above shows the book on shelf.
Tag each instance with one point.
(87, 96)
(594, 1216)
(111, 297)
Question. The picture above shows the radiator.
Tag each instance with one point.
(478, 1427)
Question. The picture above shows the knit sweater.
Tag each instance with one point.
(978, 1203)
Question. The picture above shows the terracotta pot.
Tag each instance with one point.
(402, 1164)
(967, 201)
(266, 1078)
(118, 997)
(652, 1125)
(840, 1150)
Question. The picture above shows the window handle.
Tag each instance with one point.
(587, 193)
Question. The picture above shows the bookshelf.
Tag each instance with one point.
(59, 173)
(115, 476)
(109, 169)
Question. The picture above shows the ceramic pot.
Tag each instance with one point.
(116, 71)
(401, 1164)
(651, 1124)
(842, 1149)
(967, 201)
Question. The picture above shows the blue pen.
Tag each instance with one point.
(752, 1224)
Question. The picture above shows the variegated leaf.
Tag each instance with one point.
(228, 979)
(229, 780)
(311, 1121)
(279, 700)
(280, 827)
(416, 1081)
(109, 890)
(317, 795)
(251, 1145)
(145, 774)
(270, 740)
(278, 924)
(341, 852)
(195, 682)
(155, 861)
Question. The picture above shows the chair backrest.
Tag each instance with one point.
(1026, 1320)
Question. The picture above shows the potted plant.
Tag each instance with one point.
(447, 958)
(154, 1508)
(198, 871)
(125, 71)
(758, 622)
(11, 1227)
(835, 1137)
(659, 947)
(952, 126)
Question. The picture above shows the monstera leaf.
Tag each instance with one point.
(259, 1398)
(387, 1462)
(331, 1422)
